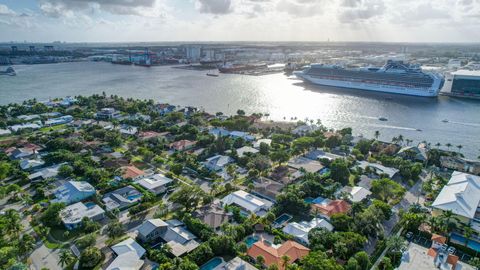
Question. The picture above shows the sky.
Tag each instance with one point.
(240, 20)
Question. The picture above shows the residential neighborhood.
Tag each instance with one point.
(104, 182)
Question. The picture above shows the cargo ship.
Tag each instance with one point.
(394, 77)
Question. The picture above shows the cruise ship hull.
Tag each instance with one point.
(432, 92)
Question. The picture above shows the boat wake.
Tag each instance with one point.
(465, 124)
(395, 127)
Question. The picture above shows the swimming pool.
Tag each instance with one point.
(308, 200)
(250, 240)
(474, 245)
(212, 264)
(90, 205)
(134, 197)
(281, 220)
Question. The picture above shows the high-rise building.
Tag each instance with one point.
(193, 53)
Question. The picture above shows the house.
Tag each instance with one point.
(73, 191)
(121, 198)
(413, 153)
(365, 182)
(300, 230)
(28, 117)
(128, 254)
(267, 188)
(328, 207)
(240, 134)
(157, 183)
(107, 114)
(247, 202)
(246, 149)
(5, 132)
(59, 120)
(318, 154)
(131, 172)
(179, 239)
(72, 215)
(163, 109)
(354, 194)
(147, 135)
(460, 164)
(461, 196)
(311, 166)
(128, 130)
(18, 127)
(217, 163)
(257, 143)
(182, 145)
(378, 168)
(30, 164)
(273, 254)
(236, 264)
(213, 215)
(22, 152)
(45, 173)
(219, 132)
(304, 129)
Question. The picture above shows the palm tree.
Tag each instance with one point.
(448, 221)
(467, 232)
(459, 148)
(448, 145)
(13, 227)
(438, 145)
(400, 138)
(66, 257)
(377, 134)
(285, 259)
(396, 244)
(409, 141)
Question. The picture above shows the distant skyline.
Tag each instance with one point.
(239, 20)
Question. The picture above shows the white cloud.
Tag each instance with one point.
(215, 6)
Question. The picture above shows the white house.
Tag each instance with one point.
(246, 149)
(300, 230)
(217, 163)
(247, 202)
(128, 254)
(72, 215)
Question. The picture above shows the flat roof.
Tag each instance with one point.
(472, 73)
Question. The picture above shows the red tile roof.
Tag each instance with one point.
(333, 207)
(182, 144)
(439, 238)
(131, 172)
(272, 255)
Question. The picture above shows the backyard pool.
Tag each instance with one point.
(210, 265)
(90, 205)
(250, 240)
(134, 197)
(281, 220)
(308, 200)
(474, 245)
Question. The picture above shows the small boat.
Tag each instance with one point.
(9, 72)
(382, 119)
(418, 129)
(212, 74)
(445, 120)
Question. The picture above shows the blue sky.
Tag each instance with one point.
(233, 20)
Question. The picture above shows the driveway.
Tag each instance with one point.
(43, 257)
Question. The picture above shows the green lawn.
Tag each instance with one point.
(53, 128)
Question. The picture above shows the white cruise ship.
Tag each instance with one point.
(394, 77)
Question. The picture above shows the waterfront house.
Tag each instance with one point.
(128, 256)
(219, 132)
(182, 145)
(172, 233)
(461, 196)
(122, 198)
(327, 207)
(460, 164)
(72, 215)
(73, 191)
(247, 202)
(300, 230)
(413, 153)
(272, 254)
(157, 183)
(107, 114)
(304, 129)
(163, 109)
(217, 163)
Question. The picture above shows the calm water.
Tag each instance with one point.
(276, 94)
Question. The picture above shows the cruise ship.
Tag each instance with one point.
(394, 77)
